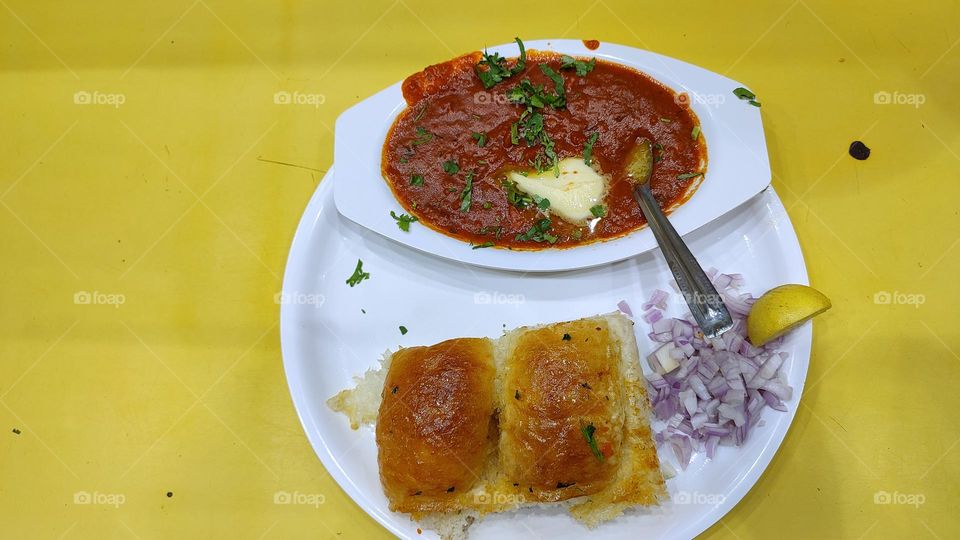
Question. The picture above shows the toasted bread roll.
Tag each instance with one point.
(436, 429)
(562, 417)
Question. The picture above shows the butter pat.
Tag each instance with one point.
(572, 194)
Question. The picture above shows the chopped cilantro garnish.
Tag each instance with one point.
(695, 134)
(569, 62)
(422, 136)
(481, 138)
(685, 176)
(530, 128)
(403, 221)
(516, 197)
(403, 330)
(416, 180)
(466, 196)
(487, 205)
(358, 275)
(451, 167)
(577, 233)
(557, 84)
(587, 431)
(747, 95)
(588, 147)
(490, 229)
(534, 95)
(486, 244)
(496, 67)
(743, 93)
(542, 202)
(598, 210)
(538, 232)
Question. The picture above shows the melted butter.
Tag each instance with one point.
(577, 189)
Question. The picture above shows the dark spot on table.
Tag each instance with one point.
(859, 151)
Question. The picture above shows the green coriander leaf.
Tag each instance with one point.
(598, 210)
(423, 136)
(358, 275)
(538, 232)
(481, 139)
(695, 134)
(403, 221)
(486, 244)
(588, 147)
(416, 180)
(403, 330)
(466, 196)
(754, 103)
(516, 197)
(743, 93)
(587, 431)
(557, 84)
(582, 68)
(522, 60)
(492, 69)
(685, 176)
(451, 167)
(542, 202)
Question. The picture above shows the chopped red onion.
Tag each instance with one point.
(710, 392)
(624, 307)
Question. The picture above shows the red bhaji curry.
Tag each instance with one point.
(474, 118)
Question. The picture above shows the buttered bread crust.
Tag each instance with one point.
(551, 414)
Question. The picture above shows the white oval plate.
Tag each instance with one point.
(326, 340)
(737, 167)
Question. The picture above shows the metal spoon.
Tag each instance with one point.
(705, 303)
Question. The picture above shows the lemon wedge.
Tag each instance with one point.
(782, 309)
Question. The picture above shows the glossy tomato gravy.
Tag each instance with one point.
(447, 104)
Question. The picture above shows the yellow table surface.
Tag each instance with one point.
(150, 188)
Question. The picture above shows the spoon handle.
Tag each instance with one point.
(705, 303)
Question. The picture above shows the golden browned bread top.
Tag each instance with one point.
(434, 426)
(562, 418)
